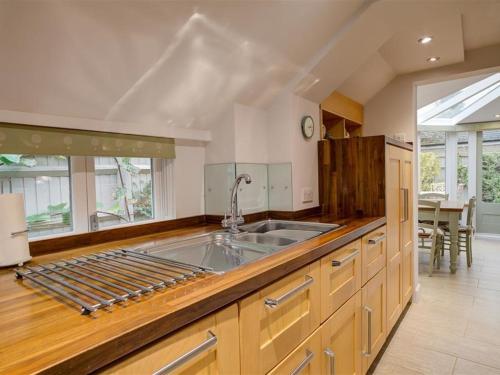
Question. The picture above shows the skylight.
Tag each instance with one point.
(459, 105)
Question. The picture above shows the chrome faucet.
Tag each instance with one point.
(236, 217)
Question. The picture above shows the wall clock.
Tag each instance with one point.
(307, 125)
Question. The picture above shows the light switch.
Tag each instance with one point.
(307, 195)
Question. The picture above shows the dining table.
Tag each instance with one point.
(450, 211)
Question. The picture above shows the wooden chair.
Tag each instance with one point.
(465, 233)
(431, 232)
(434, 195)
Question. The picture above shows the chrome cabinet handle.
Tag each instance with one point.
(405, 205)
(186, 357)
(275, 302)
(368, 351)
(338, 263)
(376, 240)
(331, 356)
(302, 365)
(13, 234)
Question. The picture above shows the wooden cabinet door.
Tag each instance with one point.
(373, 253)
(213, 340)
(276, 319)
(394, 215)
(374, 329)
(340, 277)
(341, 340)
(407, 227)
(305, 360)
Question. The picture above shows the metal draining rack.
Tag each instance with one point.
(100, 280)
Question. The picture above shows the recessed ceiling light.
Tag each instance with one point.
(425, 39)
(433, 59)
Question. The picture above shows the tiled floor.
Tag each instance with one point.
(454, 328)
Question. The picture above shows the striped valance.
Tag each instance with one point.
(41, 140)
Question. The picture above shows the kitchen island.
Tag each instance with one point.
(41, 334)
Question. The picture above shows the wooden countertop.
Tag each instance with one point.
(41, 334)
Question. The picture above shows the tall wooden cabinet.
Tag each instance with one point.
(399, 182)
(373, 176)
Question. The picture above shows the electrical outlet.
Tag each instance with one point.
(307, 195)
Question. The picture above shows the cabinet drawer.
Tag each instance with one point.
(276, 319)
(374, 317)
(373, 253)
(212, 343)
(341, 340)
(340, 277)
(304, 360)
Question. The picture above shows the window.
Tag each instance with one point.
(46, 185)
(124, 190)
(462, 165)
(432, 161)
(491, 166)
(127, 179)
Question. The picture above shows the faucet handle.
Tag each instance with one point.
(240, 219)
(225, 222)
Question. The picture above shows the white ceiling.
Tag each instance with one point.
(429, 93)
(184, 63)
(456, 26)
(485, 114)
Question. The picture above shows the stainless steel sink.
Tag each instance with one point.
(223, 251)
(293, 230)
(218, 251)
(264, 239)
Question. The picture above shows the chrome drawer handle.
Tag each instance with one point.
(338, 263)
(13, 234)
(186, 357)
(304, 363)
(368, 351)
(331, 356)
(275, 302)
(376, 240)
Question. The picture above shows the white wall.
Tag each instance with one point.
(221, 148)
(286, 144)
(392, 110)
(305, 153)
(188, 179)
(250, 134)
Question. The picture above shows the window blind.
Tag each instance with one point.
(40, 140)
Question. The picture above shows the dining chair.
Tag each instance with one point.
(434, 195)
(465, 233)
(430, 231)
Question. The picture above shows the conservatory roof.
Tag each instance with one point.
(459, 105)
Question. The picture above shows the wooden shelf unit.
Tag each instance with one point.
(341, 116)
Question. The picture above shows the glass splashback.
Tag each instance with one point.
(280, 187)
(271, 187)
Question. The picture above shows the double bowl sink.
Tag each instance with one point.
(222, 251)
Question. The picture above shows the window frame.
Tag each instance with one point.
(83, 195)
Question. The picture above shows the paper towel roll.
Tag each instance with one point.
(14, 249)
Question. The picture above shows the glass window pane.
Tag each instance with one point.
(432, 161)
(462, 165)
(124, 192)
(46, 185)
(491, 166)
